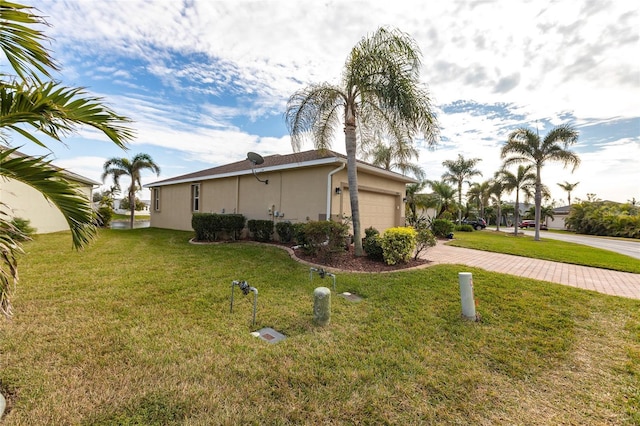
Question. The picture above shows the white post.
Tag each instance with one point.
(466, 295)
(321, 306)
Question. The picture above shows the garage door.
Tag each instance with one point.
(377, 210)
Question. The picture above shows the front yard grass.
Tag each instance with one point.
(547, 249)
(136, 329)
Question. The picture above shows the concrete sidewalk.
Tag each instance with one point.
(615, 283)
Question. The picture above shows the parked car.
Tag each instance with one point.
(532, 224)
(477, 224)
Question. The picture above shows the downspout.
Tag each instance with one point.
(330, 189)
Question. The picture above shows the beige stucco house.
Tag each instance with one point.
(303, 186)
(21, 200)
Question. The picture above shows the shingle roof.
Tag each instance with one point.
(297, 159)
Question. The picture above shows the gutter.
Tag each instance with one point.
(330, 189)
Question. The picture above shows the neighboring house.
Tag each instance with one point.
(560, 214)
(144, 212)
(304, 186)
(21, 200)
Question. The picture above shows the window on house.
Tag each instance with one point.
(195, 197)
(156, 199)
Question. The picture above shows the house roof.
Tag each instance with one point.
(278, 162)
(562, 210)
(68, 174)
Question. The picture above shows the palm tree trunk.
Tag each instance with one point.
(352, 175)
(516, 214)
(459, 203)
(132, 207)
(538, 201)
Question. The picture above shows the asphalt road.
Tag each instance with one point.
(618, 245)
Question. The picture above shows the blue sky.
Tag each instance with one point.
(207, 81)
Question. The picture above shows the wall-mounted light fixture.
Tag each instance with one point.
(404, 200)
(338, 191)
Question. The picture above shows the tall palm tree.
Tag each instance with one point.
(380, 90)
(568, 187)
(118, 167)
(525, 146)
(31, 105)
(458, 172)
(523, 179)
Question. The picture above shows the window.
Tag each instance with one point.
(195, 197)
(156, 199)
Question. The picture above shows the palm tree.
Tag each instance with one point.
(444, 194)
(31, 106)
(397, 156)
(523, 179)
(568, 187)
(416, 200)
(459, 172)
(545, 212)
(133, 168)
(496, 190)
(379, 90)
(525, 146)
(480, 193)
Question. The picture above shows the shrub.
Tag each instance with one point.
(605, 218)
(210, 226)
(464, 228)
(442, 227)
(20, 229)
(372, 244)
(424, 239)
(285, 231)
(324, 238)
(398, 244)
(262, 230)
(105, 214)
(299, 236)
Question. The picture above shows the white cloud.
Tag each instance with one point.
(541, 58)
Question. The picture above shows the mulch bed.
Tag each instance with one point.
(348, 261)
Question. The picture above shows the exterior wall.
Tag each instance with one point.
(557, 222)
(25, 202)
(380, 200)
(296, 195)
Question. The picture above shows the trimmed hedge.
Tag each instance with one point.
(322, 238)
(285, 231)
(398, 244)
(261, 229)
(211, 226)
(371, 244)
(442, 227)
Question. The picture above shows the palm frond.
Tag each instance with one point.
(308, 109)
(50, 181)
(56, 111)
(22, 45)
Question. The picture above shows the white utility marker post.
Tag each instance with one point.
(466, 295)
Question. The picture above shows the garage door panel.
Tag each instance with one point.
(377, 210)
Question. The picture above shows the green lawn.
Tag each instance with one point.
(136, 329)
(547, 249)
